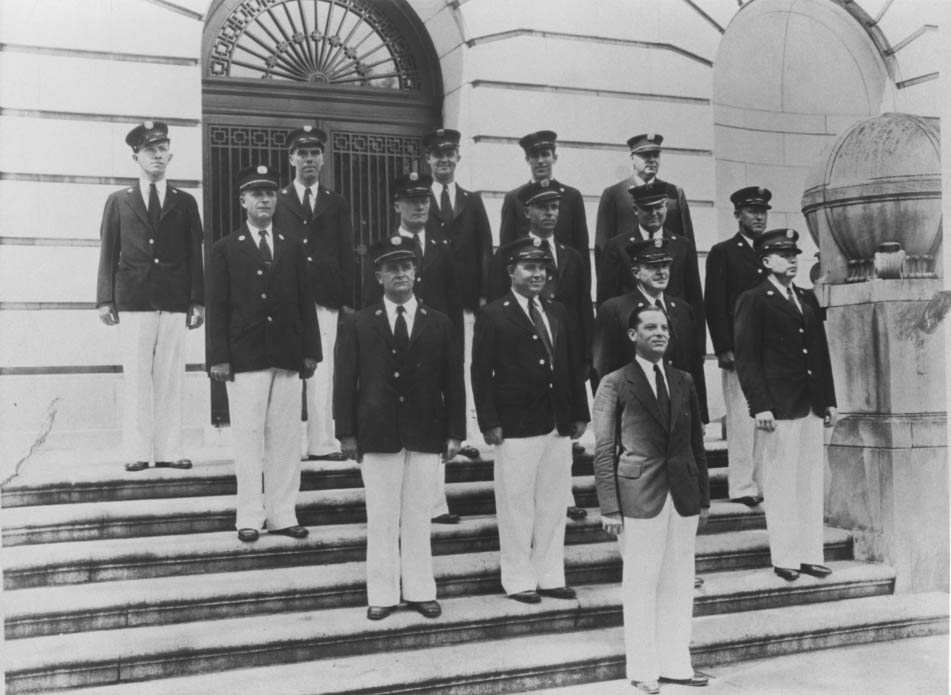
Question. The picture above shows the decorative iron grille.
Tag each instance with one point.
(345, 42)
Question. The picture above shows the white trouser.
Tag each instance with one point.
(744, 469)
(320, 419)
(793, 465)
(657, 591)
(531, 475)
(398, 499)
(265, 412)
(153, 366)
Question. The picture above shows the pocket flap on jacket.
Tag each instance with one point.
(630, 469)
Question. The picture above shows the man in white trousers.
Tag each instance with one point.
(651, 477)
(151, 279)
(262, 338)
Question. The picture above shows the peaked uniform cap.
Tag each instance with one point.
(751, 196)
(525, 248)
(146, 133)
(259, 176)
(394, 248)
(647, 194)
(538, 192)
(645, 142)
(412, 185)
(306, 135)
(539, 140)
(773, 240)
(650, 251)
(442, 138)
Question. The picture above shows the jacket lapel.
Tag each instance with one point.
(322, 202)
(248, 244)
(678, 394)
(420, 323)
(643, 392)
(553, 323)
(382, 325)
(515, 314)
(288, 197)
(134, 200)
(781, 301)
(429, 253)
(460, 202)
(172, 200)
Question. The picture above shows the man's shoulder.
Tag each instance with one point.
(566, 190)
(185, 195)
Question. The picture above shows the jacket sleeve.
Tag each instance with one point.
(696, 444)
(305, 300)
(108, 254)
(694, 296)
(609, 284)
(483, 365)
(606, 222)
(455, 394)
(218, 307)
(499, 281)
(344, 227)
(607, 414)
(579, 397)
(829, 384)
(345, 377)
(685, 221)
(196, 241)
(484, 235)
(748, 348)
(508, 229)
(579, 235)
(715, 302)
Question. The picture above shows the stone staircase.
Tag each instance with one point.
(120, 584)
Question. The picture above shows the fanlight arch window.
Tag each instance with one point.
(340, 42)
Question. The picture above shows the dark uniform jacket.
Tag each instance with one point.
(782, 357)
(571, 229)
(613, 349)
(391, 400)
(514, 384)
(616, 212)
(259, 317)
(470, 239)
(566, 286)
(328, 243)
(435, 282)
(732, 269)
(142, 268)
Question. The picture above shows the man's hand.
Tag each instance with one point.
(612, 523)
(108, 315)
(831, 416)
(704, 515)
(348, 445)
(493, 436)
(452, 448)
(726, 360)
(221, 372)
(765, 421)
(196, 316)
(577, 429)
(310, 366)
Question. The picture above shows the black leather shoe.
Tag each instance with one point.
(697, 582)
(698, 680)
(526, 597)
(649, 687)
(748, 500)
(470, 452)
(788, 574)
(292, 531)
(446, 519)
(332, 456)
(182, 464)
(558, 592)
(379, 612)
(427, 609)
(134, 466)
(248, 535)
(577, 513)
(820, 571)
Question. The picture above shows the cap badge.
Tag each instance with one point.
(658, 243)
(536, 241)
(651, 136)
(262, 169)
(544, 183)
(396, 240)
(790, 234)
(413, 176)
(308, 128)
(148, 125)
(440, 132)
(761, 190)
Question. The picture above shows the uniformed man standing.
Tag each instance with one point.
(151, 279)
(399, 399)
(615, 212)
(572, 228)
(732, 269)
(531, 401)
(262, 337)
(782, 359)
(320, 220)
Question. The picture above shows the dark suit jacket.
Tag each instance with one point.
(616, 213)
(654, 459)
(470, 239)
(327, 240)
(435, 282)
(513, 382)
(571, 229)
(732, 269)
(146, 269)
(567, 287)
(782, 357)
(257, 317)
(613, 349)
(419, 409)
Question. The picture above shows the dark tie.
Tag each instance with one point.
(540, 329)
(400, 332)
(308, 203)
(663, 399)
(445, 205)
(265, 249)
(155, 207)
(792, 300)
(418, 248)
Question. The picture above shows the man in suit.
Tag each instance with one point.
(572, 227)
(262, 337)
(400, 403)
(435, 283)
(151, 275)
(615, 212)
(459, 217)
(320, 220)
(653, 489)
(782, 359)
(531, 401)
(650, 266)
(732, 269)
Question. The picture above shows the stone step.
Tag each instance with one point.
(131, 558)
(574, 648)
(84, 521)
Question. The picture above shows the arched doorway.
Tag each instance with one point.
(365, 71)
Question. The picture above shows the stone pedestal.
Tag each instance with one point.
(888, 454)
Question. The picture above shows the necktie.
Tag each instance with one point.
(400, 332)
(445, 205)
(663, 399)
(540, 329)
(418, 248)
(308, 203)
(155, 207)
(551, 252)
(791, 298)
(265, 249)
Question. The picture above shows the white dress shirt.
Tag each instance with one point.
(160, 186)
(648, 368)
(409, 314)
(300, 188)
(523, 302)
(256, 237)
(785, 291)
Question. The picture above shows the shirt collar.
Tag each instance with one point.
(648, 367)
(161, 186)
(409, 305)
(408, 234)
(300, 188)
(437, 189)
